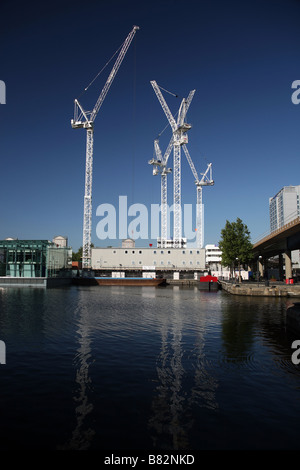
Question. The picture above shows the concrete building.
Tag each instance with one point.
(173, 259)
(213, 257)
(128, 243)
(60, 241)
(284, 206)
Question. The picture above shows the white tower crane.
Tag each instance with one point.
(179, 129)
(160, 167)
(85, 119)
(206, 180)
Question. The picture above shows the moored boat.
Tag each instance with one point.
(210, 283)
(129, 281)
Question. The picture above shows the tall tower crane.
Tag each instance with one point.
(179, 130)
(160, 167)
(85, 119)
(206, 180)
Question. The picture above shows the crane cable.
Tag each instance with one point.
(173, 94)
(103, 68)
(176, 96)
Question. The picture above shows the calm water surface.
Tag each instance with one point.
(146, 368)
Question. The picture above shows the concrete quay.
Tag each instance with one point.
(276, 289)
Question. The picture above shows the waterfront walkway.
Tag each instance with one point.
(272, 289)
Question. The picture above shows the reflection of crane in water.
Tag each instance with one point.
(172, 406)
(82, 436)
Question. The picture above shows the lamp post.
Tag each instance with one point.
(258, 260)
(239, 269)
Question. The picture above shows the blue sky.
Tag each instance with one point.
(241, 57)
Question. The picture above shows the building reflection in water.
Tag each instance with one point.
(183, 382)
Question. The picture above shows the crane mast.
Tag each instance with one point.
(85, 119)
(206, 180)
(160, 166)
(179, 130)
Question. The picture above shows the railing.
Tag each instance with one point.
(293, 219)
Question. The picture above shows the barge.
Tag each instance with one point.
(119, 281)
(129, 281)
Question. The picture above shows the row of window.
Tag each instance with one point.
(155, 252)
(162, 263)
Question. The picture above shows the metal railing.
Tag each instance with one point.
(291, 220)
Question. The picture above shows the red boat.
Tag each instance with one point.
(209, 283)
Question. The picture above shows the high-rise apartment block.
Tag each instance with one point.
(284, 206)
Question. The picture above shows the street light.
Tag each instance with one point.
(259, 258)
(239, 269)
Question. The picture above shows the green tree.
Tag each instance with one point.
(78, 255)
(235, 244)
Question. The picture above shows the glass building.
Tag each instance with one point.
(34, 258)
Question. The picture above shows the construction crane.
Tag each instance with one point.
(179, 130)
(160, 167)
(85, 119)
(206, 180)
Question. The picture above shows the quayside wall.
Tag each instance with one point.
(261, 289)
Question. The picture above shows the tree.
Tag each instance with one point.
(78, 255)
(235, 244)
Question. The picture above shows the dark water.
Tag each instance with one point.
(146, 368)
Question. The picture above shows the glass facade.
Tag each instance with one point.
(34, 258)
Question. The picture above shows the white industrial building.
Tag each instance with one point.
(213, 258)
(174, 259)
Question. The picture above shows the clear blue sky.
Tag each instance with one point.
(241, 57)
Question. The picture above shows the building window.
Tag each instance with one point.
(169, 252)
(162, 252)
(133, 252)
(126, 252)
(154, 252)
(140, 252)
(183, 252)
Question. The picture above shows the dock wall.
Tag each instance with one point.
(256, 289)
(45, 282)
